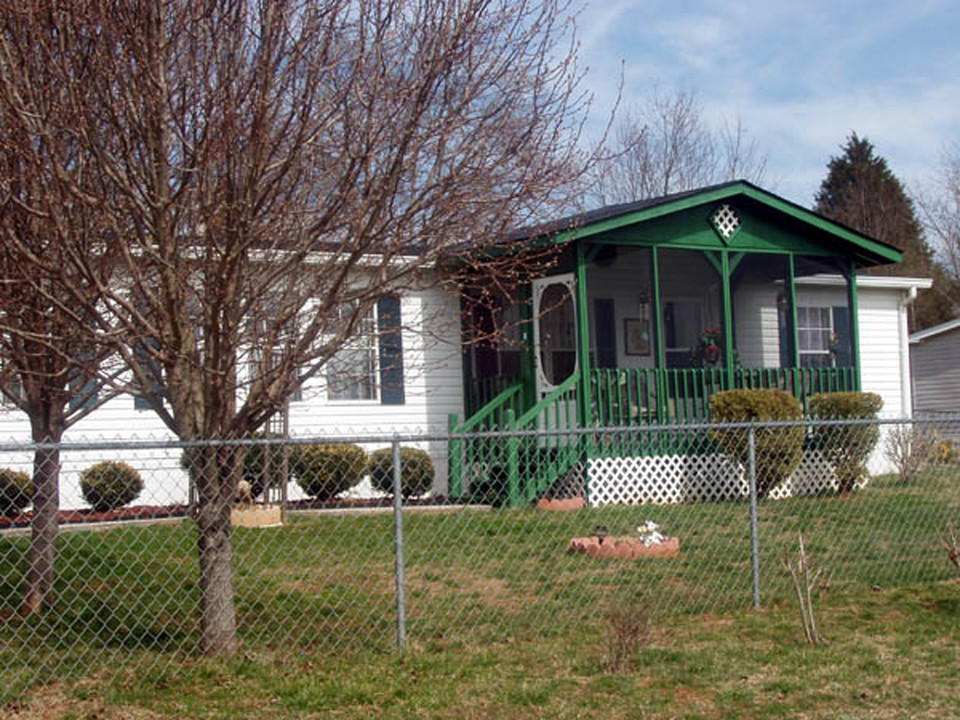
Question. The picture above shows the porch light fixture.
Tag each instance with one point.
(644, 306)
(725, 221)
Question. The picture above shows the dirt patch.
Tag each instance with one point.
(60, 701)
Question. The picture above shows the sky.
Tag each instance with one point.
(800, 76)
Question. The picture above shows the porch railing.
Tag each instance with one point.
(482, 391)
(802, 383)
(645, 396)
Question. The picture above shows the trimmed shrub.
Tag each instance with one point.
(15, 492)
(777, 450)
(416, 471)
(109, 485)
(324, 471)
(846, 447)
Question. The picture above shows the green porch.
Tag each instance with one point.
(646, 311)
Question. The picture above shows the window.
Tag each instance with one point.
(816, 336)
(352, 372)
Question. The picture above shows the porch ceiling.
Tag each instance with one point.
(782, 224)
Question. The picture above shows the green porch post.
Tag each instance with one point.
(851, 273)
(455, 464)
(527, 347)
(583, 341)
(792, 297)
(466, 349)
(727, 316)
(660, 362)
(797, 381)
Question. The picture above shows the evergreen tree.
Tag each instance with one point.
(861, 192)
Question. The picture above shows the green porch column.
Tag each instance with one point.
(527, 347)
(792, 298)
(660, 356)
(851, 273)
(727, 316)
(583, 340)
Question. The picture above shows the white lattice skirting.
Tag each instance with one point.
(669, 479)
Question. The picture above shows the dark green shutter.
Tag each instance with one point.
(841, 326)
(391, 351)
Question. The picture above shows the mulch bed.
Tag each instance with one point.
(88, 515)
(153, 512)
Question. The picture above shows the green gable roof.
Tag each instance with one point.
(806, 226)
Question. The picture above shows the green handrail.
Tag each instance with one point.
(546, 401)
(490, 408)
(472, 458)
(546, 458)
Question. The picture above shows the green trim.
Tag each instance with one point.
(583, 339)
(869, 247)
(711, 257)
(533, 413)
(456, 460)
(465, 351)
(490, 408)
(851, 273)
(794, 335)
(727, 315)
(528, 369)
(660, 357)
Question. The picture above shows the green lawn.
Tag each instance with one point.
(502, 621)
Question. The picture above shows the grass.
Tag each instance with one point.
(502, 622)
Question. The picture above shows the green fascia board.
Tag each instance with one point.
(866, 250)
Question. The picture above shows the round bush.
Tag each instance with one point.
(15, 492)
(416, 471)
(778, 450)
(109, 485)
(325, 471)
(847, 447)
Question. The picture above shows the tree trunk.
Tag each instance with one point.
(41, 573)
(215, 486)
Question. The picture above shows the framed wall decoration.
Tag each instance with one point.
(636, 335)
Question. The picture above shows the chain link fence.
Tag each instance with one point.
(492, 538)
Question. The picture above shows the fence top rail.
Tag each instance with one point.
(446, 436)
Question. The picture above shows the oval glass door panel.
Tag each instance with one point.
(558, 332)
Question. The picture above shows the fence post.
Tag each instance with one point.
(398, 547)
(754, 538)
(455, 464)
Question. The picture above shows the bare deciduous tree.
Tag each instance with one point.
(265, 172)
(49, 361)
(665, 147)
(940, 209)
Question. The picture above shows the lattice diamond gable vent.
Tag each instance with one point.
(725, 221)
